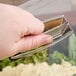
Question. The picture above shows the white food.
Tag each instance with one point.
(43, 69)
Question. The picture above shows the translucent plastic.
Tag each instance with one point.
(73, 4)
(45, 9)
(38, 7)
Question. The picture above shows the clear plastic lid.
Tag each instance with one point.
(42, 7)
(73, 4)
(45, 9)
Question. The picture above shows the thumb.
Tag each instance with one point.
(32, 42)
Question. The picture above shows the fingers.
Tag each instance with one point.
(32, 42)
(36, 26)
(32, 26)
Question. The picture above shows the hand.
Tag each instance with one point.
(19, 31)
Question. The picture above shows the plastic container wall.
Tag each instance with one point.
(44, 7)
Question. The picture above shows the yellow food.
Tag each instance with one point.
(42, 69)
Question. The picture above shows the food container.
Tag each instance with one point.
(45, 10)
(60, 29)
(62, 43)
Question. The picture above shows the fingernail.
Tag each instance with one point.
(48, 39)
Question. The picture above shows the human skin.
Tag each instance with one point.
(19, 31)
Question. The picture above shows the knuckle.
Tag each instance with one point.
(35, 43)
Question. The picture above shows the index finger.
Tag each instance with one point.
(36, 26)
